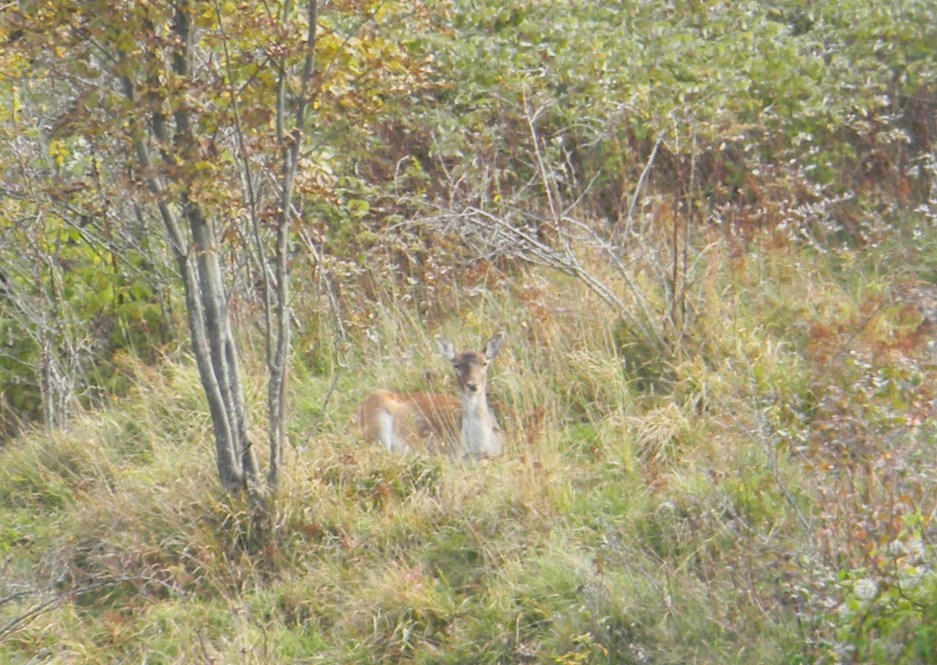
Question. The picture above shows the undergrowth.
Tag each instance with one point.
(770, 498)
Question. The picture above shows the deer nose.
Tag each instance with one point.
(473, 387)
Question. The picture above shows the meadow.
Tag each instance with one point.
(768, 498)
(708, 232)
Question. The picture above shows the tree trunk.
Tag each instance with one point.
(196, 252)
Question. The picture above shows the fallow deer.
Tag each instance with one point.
(434, 423)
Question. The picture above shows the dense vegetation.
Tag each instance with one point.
(708, 228)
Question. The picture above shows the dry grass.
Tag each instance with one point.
(726, 515)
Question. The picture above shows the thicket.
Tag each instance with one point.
(513, 127)
(710, 230)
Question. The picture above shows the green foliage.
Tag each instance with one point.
(888, 614)
(69, 305)
(745, 94)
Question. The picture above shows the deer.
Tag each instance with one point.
(434, 423)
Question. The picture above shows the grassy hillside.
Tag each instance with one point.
(772, 500)
(708, 229)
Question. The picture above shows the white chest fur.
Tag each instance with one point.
(481, 435)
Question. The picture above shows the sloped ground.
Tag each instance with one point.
(768, 495)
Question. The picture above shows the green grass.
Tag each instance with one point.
(723, 517)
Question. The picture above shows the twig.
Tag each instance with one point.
(50, 604)
(638, 187)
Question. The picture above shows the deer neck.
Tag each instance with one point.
(479, 435)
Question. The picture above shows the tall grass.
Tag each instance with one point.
(739, 508)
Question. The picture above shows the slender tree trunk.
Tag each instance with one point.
(196, 251)
(278, 349)
(221, 348)
(170, 129)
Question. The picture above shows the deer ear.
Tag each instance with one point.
(495, 344)
(446, 349)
